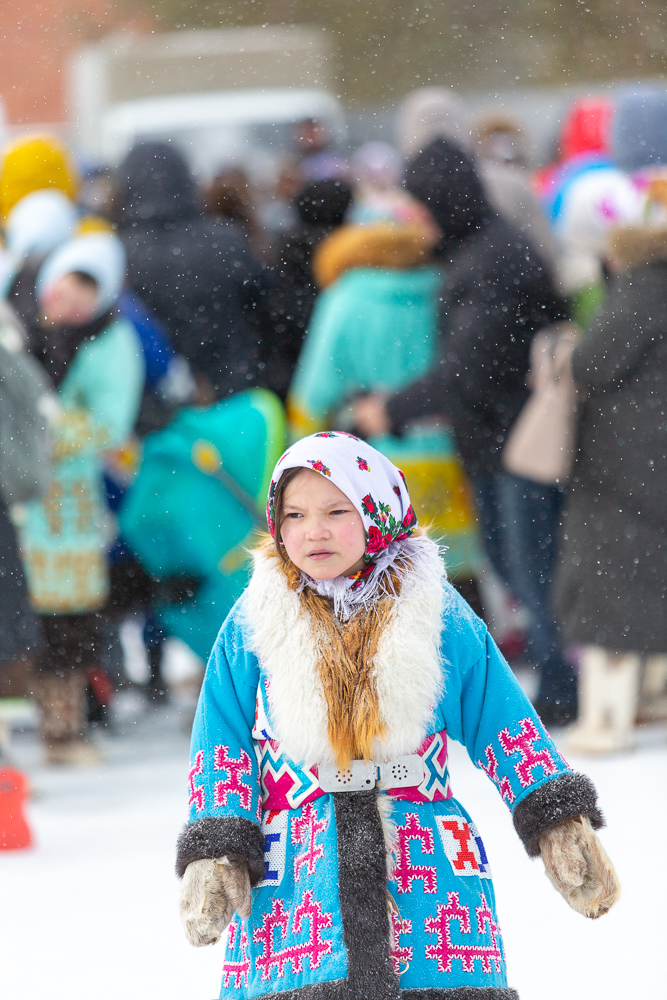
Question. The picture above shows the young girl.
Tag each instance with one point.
(319, 776)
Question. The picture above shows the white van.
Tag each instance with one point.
(229, 96)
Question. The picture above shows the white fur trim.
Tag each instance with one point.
(409, 671)
(385, 806)
(408, 668)
(281, 636)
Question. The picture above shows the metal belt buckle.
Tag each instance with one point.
(402, 772)
(358, 777)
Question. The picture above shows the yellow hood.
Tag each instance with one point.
(32, 163)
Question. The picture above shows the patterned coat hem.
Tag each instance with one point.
(554, 802)
(215, 837)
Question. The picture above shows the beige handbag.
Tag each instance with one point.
(541, 444)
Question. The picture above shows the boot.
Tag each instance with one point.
(653, 694)
(62, 701)
(608, 696)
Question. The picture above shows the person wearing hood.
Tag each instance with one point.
(94, 359)
(497, 294)
(35, 163)
(195, 273)
(584, 145)
(374, 329)
(321, 208)
(612, 580)
(431, 113)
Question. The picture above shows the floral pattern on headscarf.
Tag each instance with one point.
(375, 486)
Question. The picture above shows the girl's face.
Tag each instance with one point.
(321, 529)
(69, 301)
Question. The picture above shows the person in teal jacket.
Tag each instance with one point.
(321, 809)
(95, 360)
(374, 330)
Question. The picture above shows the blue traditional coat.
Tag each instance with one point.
(65, 536)
(329, 865)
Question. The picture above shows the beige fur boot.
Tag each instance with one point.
(211, 891)
(608, 696)
(577, 865)
(653, 694)
(62, 703)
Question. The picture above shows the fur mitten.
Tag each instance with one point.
(210, 893)
(577, 865)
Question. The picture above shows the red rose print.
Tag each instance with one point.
(368, 504)
(410, 518)
(397, 491)
(363, 464)
(376, 541)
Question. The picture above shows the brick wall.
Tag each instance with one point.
(36, 40)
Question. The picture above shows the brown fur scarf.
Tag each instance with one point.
(346, 658)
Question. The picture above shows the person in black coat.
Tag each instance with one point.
(496, 295)
(321, 208)
(611, 585)
(197, 274)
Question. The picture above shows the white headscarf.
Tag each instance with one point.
(378, 490)
(101, 255)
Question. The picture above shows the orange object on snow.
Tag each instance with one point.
(14, 830)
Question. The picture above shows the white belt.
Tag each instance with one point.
(361, 775)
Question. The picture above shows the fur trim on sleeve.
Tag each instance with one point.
(558, 800)
(216, 837)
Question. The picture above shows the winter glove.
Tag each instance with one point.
(577, 865)
(210, 893)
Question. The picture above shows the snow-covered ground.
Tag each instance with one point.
(91, 911)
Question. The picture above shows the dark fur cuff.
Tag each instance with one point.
(215, 837)
(552, 803)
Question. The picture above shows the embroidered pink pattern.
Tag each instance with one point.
(401, 955)
(405, 873)
(240, 969)
(491, 769)
(233, 783)
(305, 829)
(197, 794)
(314, 948)
(530, 758)
(445, 951)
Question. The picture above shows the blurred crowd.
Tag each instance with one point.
(160, 341)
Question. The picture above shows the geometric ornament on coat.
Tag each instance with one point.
(233, 784)
(305, 829)
(401, 955)
(285, 784)
(238, 971)
(529, 757)
(449, 947)
(274, 829)
(463, 846)
(306, 919)
(523, 744)
(405, 872)
(197, 794)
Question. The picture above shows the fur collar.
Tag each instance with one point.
(381, 245)
(635, 246)
(409, 674)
